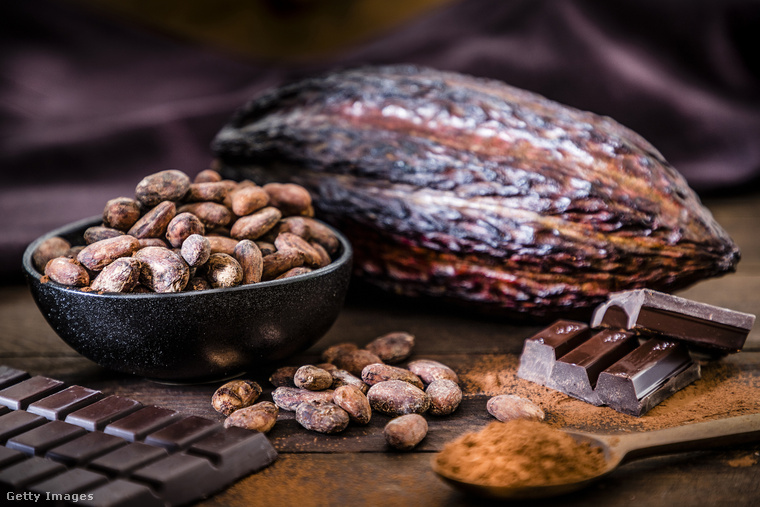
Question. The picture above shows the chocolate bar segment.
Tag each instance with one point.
(647, 376)
(541, 350)
(101, 413)
(704, 327)
(20, 395)
(576, 373)
(62, 403)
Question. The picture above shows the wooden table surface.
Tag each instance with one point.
(356, 467)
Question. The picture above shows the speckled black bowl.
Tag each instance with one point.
(193, 336)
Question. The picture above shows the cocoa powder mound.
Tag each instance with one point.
(727, 388)
(519, 453)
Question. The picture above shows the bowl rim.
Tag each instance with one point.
(344, 258)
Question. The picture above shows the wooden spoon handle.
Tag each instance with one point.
(692, 437)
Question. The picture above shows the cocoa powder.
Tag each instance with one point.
(726, 389)
(519, 453)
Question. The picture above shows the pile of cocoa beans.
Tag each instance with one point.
(347, 387)
(178, 235)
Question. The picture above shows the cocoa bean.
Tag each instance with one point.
(255, 225)
(322, 416)
(289, 241)
(283, 376)
(223, 271)
(266, 247)
(295, 225)
(279, 262)
(289, 198)
(235, 395)
(301, 270)
(153, 223)
(354, 402)
(288, 398)
(222, 244)
(332, 352)
(354, 361)
(429, 370)
(312, 378)
(181, 226)
(405, 432)
(213, 191)
(324, 257)
(323, 235)
(212, 214)
(379, 372)
(98, 255)
(96, 233)
(121, 213)
(507, 407)
(67, 271)
(196, 250)
(445, 396)
(49, 249)
(250, 259)
(197, 283)
(327, 367)
(392, 347)
(259, 417)
(152, 242)
(396, 397)
(169, 185)
(122, 275)
(162, 269)
(344, 378)
(246, 200)
(207, 176)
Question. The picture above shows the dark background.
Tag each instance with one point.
(94, 95)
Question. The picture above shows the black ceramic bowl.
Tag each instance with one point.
(193, 336)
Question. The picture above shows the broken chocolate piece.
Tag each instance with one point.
(576, 373)
(646, 376)
(704, 327)
(541, 350)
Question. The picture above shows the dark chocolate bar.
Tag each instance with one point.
(113, 451)
(576, 372)
(646, 376)
(541, 350)
(701, 326)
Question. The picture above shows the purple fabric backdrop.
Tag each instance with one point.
(88, 106)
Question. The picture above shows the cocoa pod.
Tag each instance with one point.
(259, 417)
(162, 269)
(67, 271)
(396, 397)
(121, 213)
(169, 185)
(469, 189)
(122, 275)
(181, 227)
(98, 255)
(405, 432)
(153, 223)
(49, 249)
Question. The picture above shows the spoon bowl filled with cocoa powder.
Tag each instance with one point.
(523, 459)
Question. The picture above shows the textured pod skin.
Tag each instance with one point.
(467, 188)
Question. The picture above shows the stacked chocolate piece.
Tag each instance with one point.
(636, 351)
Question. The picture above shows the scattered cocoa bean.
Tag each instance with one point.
(153, 223)
(283, 376)
(181, 227)
(273, 265)
(250, 259)
(288, 398)
(169, 185)
(67, 271)
(96, 233)
(322, 416)
(379, 372)
(330, 353)
(289, 198)
(122, 275)
(162, 269)
(343, 378)
(212, 214)
(406, 431)
(445, 396)
(312, 378)
(246, 200)
(121, 213)
(235, 395)
(259, 417)
(255, 225)
(506, 407)
(98, 255)
(396, 397)
(223, 271)
(354, 361)
(429, 370)
(49, 249)
(352, 400)
(196, 250)
(392, 347)
(222, 244)
(213, 191)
